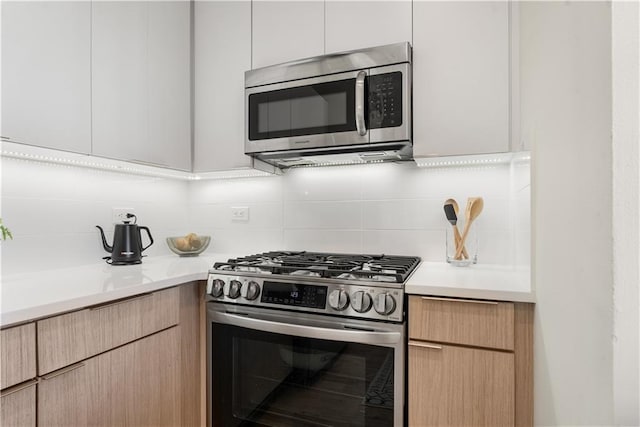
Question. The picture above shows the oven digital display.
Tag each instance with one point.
(294, 294)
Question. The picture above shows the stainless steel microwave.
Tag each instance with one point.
(348, 107)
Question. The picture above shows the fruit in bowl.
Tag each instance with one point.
(189, 245)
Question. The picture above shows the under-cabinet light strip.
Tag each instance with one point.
(472, 161)
(123, 168)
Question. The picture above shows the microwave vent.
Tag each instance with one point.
(296, 161)
(378, 155)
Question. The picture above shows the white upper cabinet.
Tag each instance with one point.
(461, 78)
(361, 24)
(219, 67)
(46, 86)
(141, 82)
(120, 121)
(286, 30)
(169, 80)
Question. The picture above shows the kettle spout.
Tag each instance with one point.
(105, 245)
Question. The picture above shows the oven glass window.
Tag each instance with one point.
(266, 379)
(305, 110)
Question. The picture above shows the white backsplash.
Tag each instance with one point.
(383, 208)
(52, 211)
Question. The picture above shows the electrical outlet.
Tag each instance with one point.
(119, 215)
(240, 213)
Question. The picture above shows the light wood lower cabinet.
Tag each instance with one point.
(17, 354)
(469, 322)
(469, 363)
(68, 338)
(133, 385)
(192, 372)
(64, 396)
(460, 386)
(134, 362)
(18, 406)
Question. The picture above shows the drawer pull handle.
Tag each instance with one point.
(19, 388)
(63, 371)
(423, 345)
(474, 301)
(139, 297)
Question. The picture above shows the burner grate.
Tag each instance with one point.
(387, 268)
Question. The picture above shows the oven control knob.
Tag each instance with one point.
(338, 299)
(217, 288)
(234, 289)
(361, 302)
(384, 304)
(253, 290)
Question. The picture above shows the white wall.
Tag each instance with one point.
(384, 208)
(626, 211)
(565, 70)
(52, 211)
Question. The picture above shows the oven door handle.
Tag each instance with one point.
(345, 335)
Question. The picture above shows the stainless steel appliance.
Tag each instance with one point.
(345, 107)
(307, 339)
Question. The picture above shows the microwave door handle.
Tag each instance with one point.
(361, 126)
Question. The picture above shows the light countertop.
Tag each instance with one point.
(40, 294)
(36, 295)
(490, 282)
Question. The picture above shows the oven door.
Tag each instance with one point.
(272, 368)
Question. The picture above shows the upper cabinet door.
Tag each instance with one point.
(141, 82)
(361, 24)
(119, 71)
(461, 78)
(169, 79)
(46, 86)
(219, 83)
(286, 30)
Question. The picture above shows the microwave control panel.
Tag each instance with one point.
(385, 100)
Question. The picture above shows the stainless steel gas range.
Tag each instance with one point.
(307, 339)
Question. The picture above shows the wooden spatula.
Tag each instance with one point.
(474, 209)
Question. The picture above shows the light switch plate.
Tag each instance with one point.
(239, 213)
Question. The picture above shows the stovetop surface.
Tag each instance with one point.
(366, 267)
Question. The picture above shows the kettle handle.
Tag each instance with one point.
(148, 234)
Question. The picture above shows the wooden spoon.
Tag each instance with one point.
(474, 209)
(451, 211)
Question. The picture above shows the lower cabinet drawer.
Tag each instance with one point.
(467, 322)
(18, 354)
(18, 405)
(69, 338)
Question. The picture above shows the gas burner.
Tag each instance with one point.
(244, 269)
(251, 269)
(306, 273)
(374, 268)
(371, 278)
